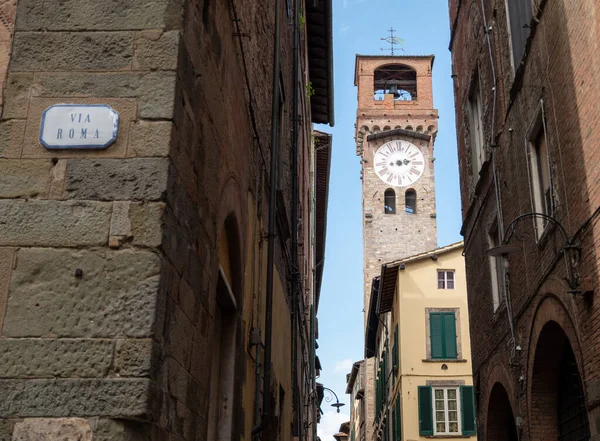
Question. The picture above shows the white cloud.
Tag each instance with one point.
(344, 30)
(343, 366)
(330, 424)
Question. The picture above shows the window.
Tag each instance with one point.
(496, 266)
(446, 411)
(519, 18)
(389, 201)
(442, 334)
(397, 80)
(540, 170)
(476, 130)
(445, 279)
(410, 199)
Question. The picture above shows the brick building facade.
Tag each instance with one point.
(167, 286)
(526, 78)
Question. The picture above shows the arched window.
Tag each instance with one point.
(389, 203)
(398, 80)
(411, 201)
(222, 387)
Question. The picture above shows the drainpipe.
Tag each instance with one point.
(274, 177)
(297, 408)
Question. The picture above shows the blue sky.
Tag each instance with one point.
(358, 27)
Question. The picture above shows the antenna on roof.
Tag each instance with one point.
(393, 41)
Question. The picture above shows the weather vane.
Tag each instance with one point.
(393, 41)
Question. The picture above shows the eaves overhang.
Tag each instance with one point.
(353, 375)
(322, 146)
(319, 38)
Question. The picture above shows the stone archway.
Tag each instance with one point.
(500, 424)
(557, 403)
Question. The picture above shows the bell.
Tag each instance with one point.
(394, 91)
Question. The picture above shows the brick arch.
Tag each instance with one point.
(552, 335)
(498, 374)
(231, 218)
(231, 223)
(500, 422)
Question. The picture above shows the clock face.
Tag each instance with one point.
(399, 163)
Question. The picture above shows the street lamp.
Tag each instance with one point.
(570, 250)
(320, 396)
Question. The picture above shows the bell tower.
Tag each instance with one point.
(396, 126)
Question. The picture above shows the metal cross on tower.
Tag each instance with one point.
(393, 41)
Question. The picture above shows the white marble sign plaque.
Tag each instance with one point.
(79, 126)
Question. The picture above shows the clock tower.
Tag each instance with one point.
(396, 126)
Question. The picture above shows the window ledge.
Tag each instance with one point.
(450, 436)
(444, 360)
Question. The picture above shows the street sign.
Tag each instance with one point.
(79, 126)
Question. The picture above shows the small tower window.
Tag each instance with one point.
(411, 201)
(390, 201)
(398, 80)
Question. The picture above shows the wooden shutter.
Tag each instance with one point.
(394, 427)
(398, 420)
(450, 335)
(467, 400)
(436, 334)
(425, 411)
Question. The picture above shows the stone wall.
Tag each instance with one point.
(109, 259)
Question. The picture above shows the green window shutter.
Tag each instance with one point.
(450, 335)
(398, 420)
(467, 400)
(436, 333)
(393, 424)
(425, 411)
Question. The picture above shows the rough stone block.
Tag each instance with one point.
(156, 90)
(47, 358)
(150, 138)
(44, 51)
(106, 429)
(6, 265)
(6, 428)
(120, 225)
(54, 223)
(57, 184)
(74, 397)
(55, 429)
(146, 223)
(133, 357)
(11, 138)
(117, 179)
(32, 148)
(156, 50)
(92, 15)
(114, 295)
(157, 96)
(24, 178)
(18, 91)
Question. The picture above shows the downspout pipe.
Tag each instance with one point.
(274, 178)
(297, 417)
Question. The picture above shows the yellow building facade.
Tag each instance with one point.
(418, 332)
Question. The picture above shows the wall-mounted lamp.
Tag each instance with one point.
(319, 393)
(571, 249)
